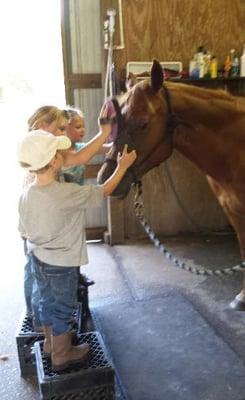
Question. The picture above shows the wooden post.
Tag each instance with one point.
(115, 233)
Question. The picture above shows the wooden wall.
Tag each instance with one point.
(171, 30)
(177, 199)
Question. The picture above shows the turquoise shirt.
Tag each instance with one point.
(75, 174)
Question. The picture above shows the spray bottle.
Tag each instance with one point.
(213, 67)
(242, 64)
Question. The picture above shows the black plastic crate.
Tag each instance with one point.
(93, 380)
(26, 336)
(83, 320)
(25, 339)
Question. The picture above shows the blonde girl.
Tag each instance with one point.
(55, 120)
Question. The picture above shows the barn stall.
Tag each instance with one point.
(143, 31)
(163, 332)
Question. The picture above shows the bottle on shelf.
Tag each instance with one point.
(227, 66)
(213, 67)
(232, 55)
(235, 68)
(200, 61)
(192, 67)
(207, 61)
(242, 63)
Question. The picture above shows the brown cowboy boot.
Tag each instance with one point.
(47, 348)
(64, 354)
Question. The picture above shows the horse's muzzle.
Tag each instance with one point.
(123, 187)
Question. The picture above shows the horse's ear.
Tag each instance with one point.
(156, 76)
(130, 81)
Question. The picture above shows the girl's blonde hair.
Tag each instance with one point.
(73, 112)
(47, 115)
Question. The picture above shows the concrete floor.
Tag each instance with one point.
(133, 271)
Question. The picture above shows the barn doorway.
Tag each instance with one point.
(31, 75)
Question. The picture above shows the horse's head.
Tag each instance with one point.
(142, 113)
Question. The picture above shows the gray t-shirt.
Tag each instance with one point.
(52, 218)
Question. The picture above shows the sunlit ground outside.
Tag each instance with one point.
(31, 75)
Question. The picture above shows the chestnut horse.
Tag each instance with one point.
(207, 126)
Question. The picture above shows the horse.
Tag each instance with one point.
(206, 125)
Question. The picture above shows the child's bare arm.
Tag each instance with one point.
(91, 148)
(124, 161)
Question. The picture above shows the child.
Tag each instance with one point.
(51, 218)
(55, 121)
(75, 130)
(50, 118)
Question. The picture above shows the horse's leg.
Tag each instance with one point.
(237, 220)
(238, 223)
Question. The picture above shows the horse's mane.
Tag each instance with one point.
(219, 95)
(204, 93)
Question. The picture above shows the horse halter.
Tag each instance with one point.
(118, 134)
(173, 120)
(116, 118)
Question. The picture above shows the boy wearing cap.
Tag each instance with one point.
(51, 218)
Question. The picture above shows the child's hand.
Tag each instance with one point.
(125, 160)
(105, 120)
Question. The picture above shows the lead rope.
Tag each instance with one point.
(139, 212)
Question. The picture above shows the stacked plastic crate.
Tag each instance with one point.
(93, 380)
(25, 339)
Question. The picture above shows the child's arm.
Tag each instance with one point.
(124, 161)
(82, 156)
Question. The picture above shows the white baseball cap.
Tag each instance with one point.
(38, 148)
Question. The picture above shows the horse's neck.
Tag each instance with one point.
(201, 139)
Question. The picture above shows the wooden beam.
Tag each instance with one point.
(66, 48)
(96, 233)
(84, 81)
(115, 233)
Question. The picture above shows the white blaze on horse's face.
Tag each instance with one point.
(137, 107)
(150, 106)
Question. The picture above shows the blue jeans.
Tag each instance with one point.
(31, 292)
(58, 294)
